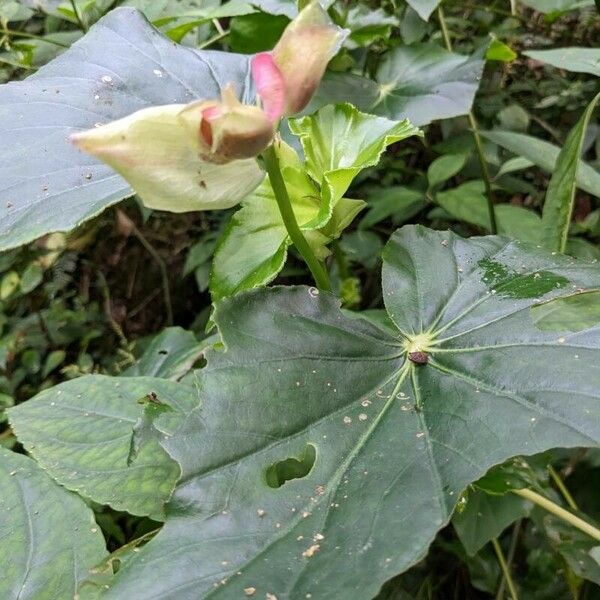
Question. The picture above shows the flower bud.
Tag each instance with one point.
(287, 77)
(228, 130)
(174, 168)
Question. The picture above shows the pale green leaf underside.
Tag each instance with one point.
(424, 8)
(387, 476)
(122, 65)
(579, 60)
(544, 155)
(49, 539)
(81, 433)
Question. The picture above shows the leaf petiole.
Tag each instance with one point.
(560, 512)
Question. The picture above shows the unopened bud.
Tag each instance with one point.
(287, 77)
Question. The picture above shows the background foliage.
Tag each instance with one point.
(93, 288)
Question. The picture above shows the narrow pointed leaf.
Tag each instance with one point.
(560, 197)
(544, 155)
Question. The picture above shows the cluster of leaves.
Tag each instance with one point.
(288, 443)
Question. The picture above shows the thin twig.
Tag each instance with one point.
(562, 488)
(163, 271)
(487, 180)
(510, 557)
(505, 570)
(212, 40)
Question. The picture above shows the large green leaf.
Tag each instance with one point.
(425, 82)
(580, 60)
(420, 82)
(560, 197)
(81, 435)
(120, 66)
(394, 442)
(49, 539)
(544, 155)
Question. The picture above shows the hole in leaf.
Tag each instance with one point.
(291, 468)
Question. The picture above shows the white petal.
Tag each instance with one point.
(154, 151)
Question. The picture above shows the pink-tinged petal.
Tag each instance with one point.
(308, 43)
(269, 84)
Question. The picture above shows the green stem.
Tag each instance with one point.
(78, 17)
(289, 219)
(31, 36)
(562, 488)
(510, 557)
(505, 570)
(489, 192)
(559, 512)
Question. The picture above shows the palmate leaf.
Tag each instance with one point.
(393, 442)
(122, 65)
(49, 539)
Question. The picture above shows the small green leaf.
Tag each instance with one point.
(338, 142)
(170, 355)
(575, 312)
(577, 59)
(9, 285)
(424, 8)
(498, 50)
(560, 197)
(53, 360)
(444, 168)
(49, 537)
(425, 82)
(145, 431)
(256, 32)
(485, 516)
(399, 202)
(31, 278)
(468, 203)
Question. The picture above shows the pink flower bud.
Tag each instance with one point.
(287, 77)
(228, 130)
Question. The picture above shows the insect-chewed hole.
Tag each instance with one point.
(291, 468)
